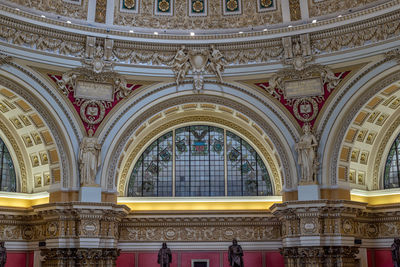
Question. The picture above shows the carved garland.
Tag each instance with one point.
(128, 165)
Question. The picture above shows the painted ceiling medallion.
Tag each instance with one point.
(266, 3)
(163, 5)
(129, 4)
(232, 5)
(198, 6)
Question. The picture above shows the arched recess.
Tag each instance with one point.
(199, 114)
(118, 139)
(354, 136)
(38, 130)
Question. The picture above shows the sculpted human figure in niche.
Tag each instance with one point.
(306, 150)
(89, 160)
(235, 254)
(164, 256)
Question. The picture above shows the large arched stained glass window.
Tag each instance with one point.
(392, 167)
(7, 171)
(199, 161)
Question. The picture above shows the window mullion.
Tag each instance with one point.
(173, 164)
(225, 164)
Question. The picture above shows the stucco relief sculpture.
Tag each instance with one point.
(180, 64)
(396, 252)
(235, 254)
(89, 160)
(164, 256)
(307, 155)
(3, 254)
(198, 62)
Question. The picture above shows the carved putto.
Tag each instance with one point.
(198, 62)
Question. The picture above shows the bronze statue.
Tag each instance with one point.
(164, 256)
(3, 254)
(396, 252)
(235, 254)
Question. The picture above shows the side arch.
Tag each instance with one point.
(43, 100)
(362, 90)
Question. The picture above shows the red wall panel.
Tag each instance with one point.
(383, 258)
(274, 259)
(149, 259)
(250, 258)
(16, 259)
(186, 258)
(126, 259)
(370, 257)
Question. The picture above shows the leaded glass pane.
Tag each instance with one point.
(392, 173)
(182, 162)
(199, 161)
(199, 166)
(234, 163)
(7, 170)
(152, 174)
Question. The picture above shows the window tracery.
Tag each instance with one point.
(392, 166)
(7, 170)
(199, 161)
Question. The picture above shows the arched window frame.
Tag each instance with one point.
(391, 173)
(11, 185)
(225, 129)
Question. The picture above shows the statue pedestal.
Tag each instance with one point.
(90, 194)
(308, 192)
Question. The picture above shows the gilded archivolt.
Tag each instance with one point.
(214, 20)
(59, 7)
(320, 8)
(328, 41)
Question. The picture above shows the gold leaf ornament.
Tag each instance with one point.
(163, 5)
(266, 3)
(232, 5)
(198, 6)
(130, 4)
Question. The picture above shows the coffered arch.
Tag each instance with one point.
(32, 117)
(353, 144)
(224, 110)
